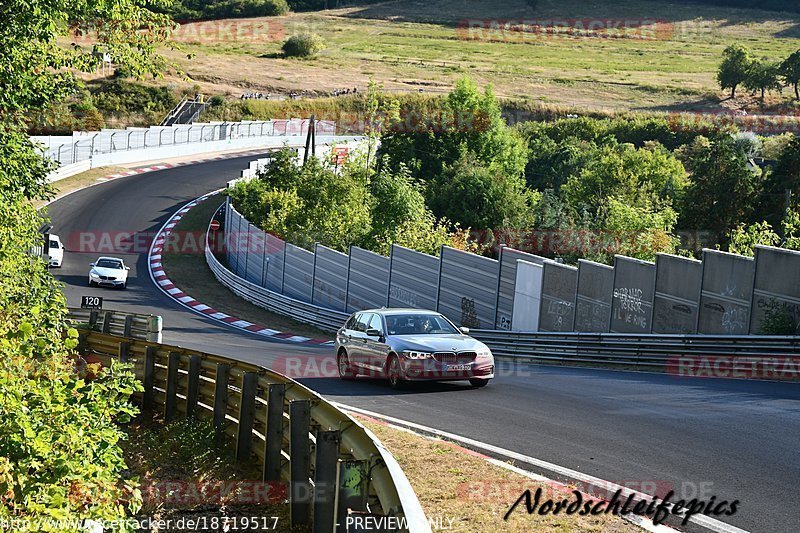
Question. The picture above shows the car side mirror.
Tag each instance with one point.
(91, 264)
(127, 268)
(464, 330)
(373, 333)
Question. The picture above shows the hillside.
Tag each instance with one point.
(426, 45)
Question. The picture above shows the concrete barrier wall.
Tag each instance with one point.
(275, 251)
(632, 298)
(413, 279)
(677, 298)
(509, 258)
(776, 291)
(330, 278)
(559, 287)
(593, 299)
(368, 280)
(527, 296)
(468, 288)
(298, 273)
(726, 293)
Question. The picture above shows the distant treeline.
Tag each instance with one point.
(183, 10)
(792, 6)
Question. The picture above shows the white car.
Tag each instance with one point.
(109, 272)
(56, 252)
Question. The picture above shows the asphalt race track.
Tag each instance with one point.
(700, 437)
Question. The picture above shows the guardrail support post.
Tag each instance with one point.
(93, 318)
(171, 402)
(247, 416)
(149, 377)
(193, 387)
(300, 461)
(126, 332)
(107, 321)
(124, 350)
(274, 435)
(327, 464)
(221, 396)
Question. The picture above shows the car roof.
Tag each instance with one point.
(110, 258)
(400, 311)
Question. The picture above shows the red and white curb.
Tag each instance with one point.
(161, 280)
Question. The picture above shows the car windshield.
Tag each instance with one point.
(418, 324)
(108, 263)
(53, 244)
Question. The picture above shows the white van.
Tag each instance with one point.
(56, 251)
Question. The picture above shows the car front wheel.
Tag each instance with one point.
(478, 382)
(395, 374)
(345, 370)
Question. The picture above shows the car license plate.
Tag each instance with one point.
(451, 368)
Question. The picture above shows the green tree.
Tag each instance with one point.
(735, 67)
(478, 196)
(790, 70)
(782, 179)
(763, 76)
(59, 442)
(400, 216)
(319, 204)
(428, 142)
(640, 176)
(640, 232)
(744, 239)
(724, 187)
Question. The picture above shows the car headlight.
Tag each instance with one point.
(94, 274)
(417, 355)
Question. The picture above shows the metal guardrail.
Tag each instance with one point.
(294, 434)
(132, 325)
(647, 351)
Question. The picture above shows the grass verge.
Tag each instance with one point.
(189, 481)
(189, 271)
(462, 491)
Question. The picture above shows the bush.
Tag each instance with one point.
(304, 45)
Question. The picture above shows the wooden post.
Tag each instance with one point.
(325, 472)
(126, 331)
(171, 403)
(247, 416)
(221, 396)
(193, 386)
(300, 462)
(149, 378)
(274, 435)
(124, 350)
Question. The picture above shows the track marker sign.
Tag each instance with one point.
(91, 302)
(214, 226)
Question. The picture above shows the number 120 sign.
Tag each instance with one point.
(91, 302)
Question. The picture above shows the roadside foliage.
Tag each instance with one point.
(60, 460)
